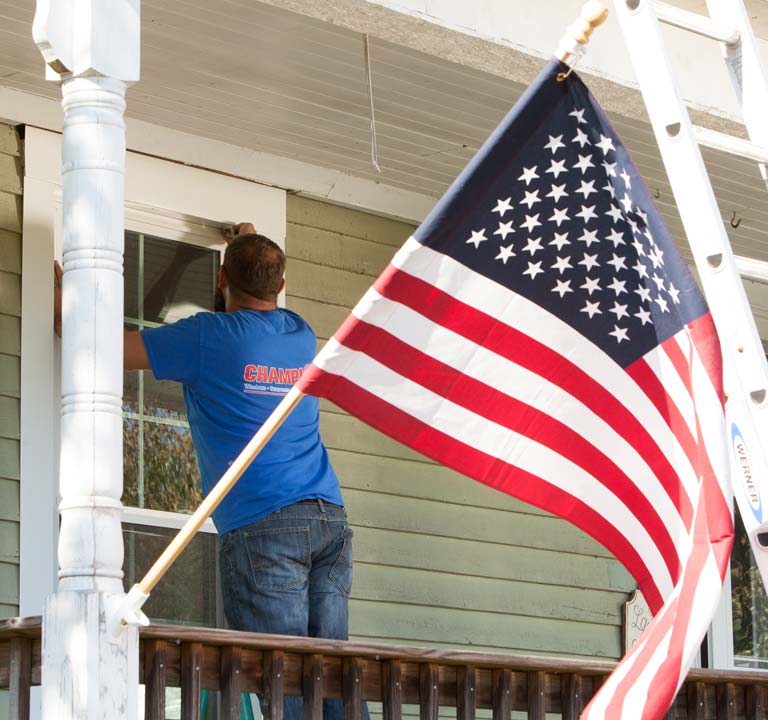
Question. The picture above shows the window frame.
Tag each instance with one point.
(164, 198)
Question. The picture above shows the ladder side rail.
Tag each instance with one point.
(746, 68)
(746, 370)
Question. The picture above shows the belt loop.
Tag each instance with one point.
(322, 505)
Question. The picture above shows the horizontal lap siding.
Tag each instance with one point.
(440, 560)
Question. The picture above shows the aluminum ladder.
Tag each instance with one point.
(744, 361)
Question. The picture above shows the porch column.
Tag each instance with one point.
(91, 47)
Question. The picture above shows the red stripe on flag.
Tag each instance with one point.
(478, 465)
(704, 338)
(500, 408)
(444, 309)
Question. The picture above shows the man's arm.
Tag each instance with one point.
(134, 351)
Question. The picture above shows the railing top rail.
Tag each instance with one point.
(176, 634)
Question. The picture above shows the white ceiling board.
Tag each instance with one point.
(262, 78)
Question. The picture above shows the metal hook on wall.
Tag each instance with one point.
(656, 193)
(734, 222)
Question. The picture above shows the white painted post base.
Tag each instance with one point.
(88, 673)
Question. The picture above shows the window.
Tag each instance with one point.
(165, 280)
(749, 604)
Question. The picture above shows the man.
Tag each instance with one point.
(285, 545)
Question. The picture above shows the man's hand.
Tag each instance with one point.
(230, 232)
(58, 275)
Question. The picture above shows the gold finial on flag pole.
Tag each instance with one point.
(577, 34)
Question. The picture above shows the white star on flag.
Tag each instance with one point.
(618, 262)
(585, 162)
(529, 174)
(533, 245)
(643, 292)
(587, 188)
(591, 285)
(579, 115)
(562, 287)
(531, 198)
(589, 261)
(587, 213)
(589, 237)
(533, 270)
(554, 144)
(592, 308)
(557, 192)
(502, 206)
(531, 221)
(562, 264)
(581, 138)
(619, 333)
(616, 238)
(478, 236)
(559, 216)
(557, 167)
(505, 253)
(618, 286)
(504, 229)
(615, 213)
(605, 144)
(619, 311)
(560, 240)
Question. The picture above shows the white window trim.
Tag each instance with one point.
(162, 198)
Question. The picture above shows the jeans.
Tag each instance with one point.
(291, 573)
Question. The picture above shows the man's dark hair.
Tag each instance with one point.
(254, 265)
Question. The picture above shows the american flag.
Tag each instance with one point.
(540, 333)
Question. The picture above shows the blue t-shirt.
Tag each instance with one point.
(235, 368)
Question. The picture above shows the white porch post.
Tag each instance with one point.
(92, 48)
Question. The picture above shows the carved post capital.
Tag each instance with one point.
(79, 38)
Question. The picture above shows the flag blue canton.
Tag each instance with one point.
(553, 208)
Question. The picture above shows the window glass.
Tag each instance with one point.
(187, 593)
(164, 281)
(749, 604)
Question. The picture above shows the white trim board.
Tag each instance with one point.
(165, 197)
(314, 181)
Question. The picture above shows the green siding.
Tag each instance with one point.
(441, 560)
(11, 175)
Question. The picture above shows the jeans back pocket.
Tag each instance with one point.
(279, 558)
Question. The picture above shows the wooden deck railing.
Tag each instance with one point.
(231, 663)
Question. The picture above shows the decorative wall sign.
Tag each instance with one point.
(635, 618)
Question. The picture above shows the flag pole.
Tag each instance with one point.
(129, 611)
(573, 43)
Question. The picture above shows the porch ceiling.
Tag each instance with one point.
(263, 78)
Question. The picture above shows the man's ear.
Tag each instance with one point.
(221, 280)
(282, 286)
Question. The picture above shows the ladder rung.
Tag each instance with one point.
(730, 144)
(699, 24)
(752, 269)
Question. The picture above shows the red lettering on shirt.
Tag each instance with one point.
(250, 373)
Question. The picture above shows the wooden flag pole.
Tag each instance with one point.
(577, 34)
(130, 610)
